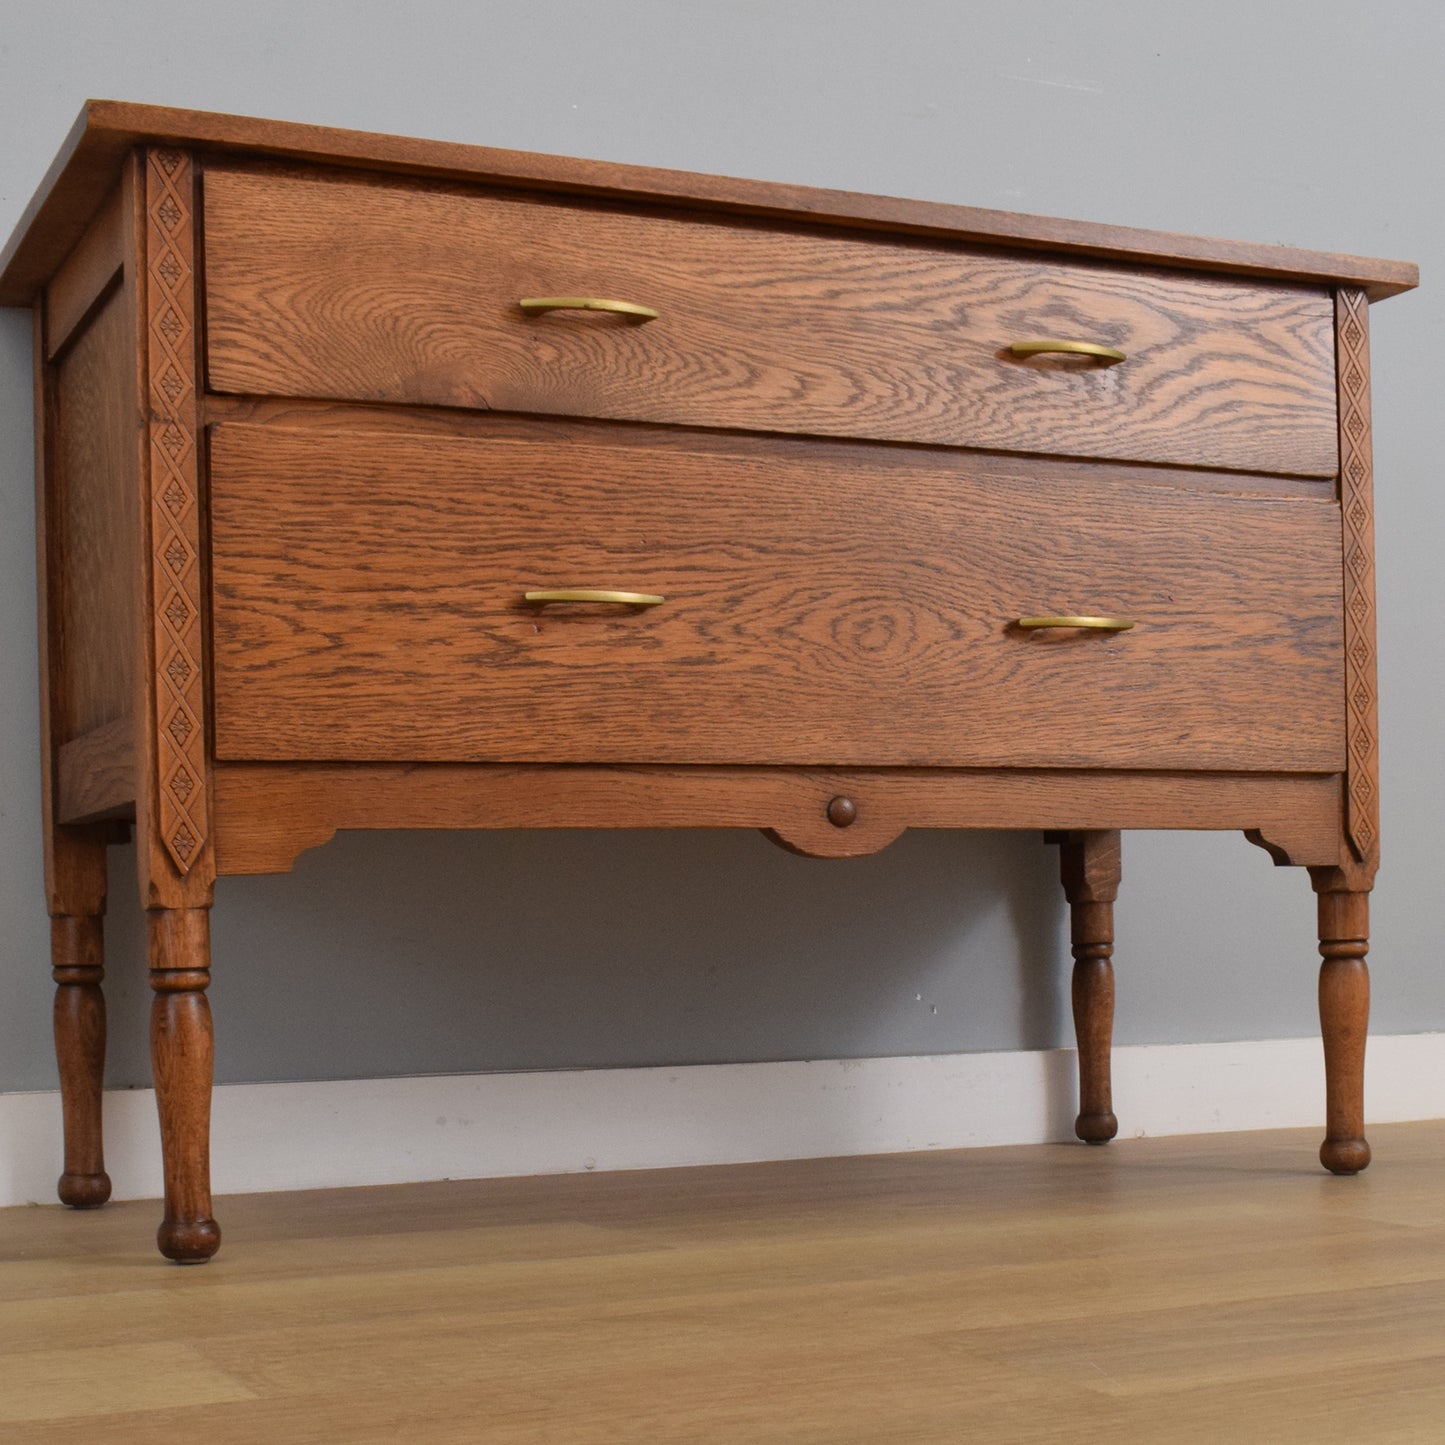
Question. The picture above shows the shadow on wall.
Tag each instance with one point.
(392, 954)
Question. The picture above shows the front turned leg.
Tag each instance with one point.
(77, 966)
(181, 1051)
(1090, 868)
(1344, 917)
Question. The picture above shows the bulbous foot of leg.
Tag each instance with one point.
(83, 1191)
(1344, 1156)
(1096, 1128)
(188, 1241)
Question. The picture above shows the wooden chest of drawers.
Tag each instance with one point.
(392, 484)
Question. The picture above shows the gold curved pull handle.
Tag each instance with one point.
(537, 305)
(1109, 355)
(593, 594)
(1092, 624)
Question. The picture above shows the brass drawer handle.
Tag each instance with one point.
(1094, 624)
(594, 594)
(1109, 355)
(537, 305)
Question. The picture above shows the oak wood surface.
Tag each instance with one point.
(182, 1053)
(77, 958)
(75, 868)
(97, 531)
(777, 453)
(804, 614)
(85, 276)
(96, 776)
(1344, 1000)
(268, 813)
(107, 130)
(1089, 863)
(405, 294)
(1357, 507)
(308, 414)
(1195, 1289)
(175, 642)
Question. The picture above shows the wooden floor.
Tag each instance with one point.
(1216, 1288)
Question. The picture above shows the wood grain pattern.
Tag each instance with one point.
(96, 776)
(804, 615)
(1193, 1289)
(77, 957)
(175, 510)
(97, 525)
(182, 1052)
(1357, 506)
(67, 506)
(268, 813)
(106, 131)
(402, 453)
(823, 453)
(86, 276)
(1344, 1001)
(1090, 868)
(378, 293)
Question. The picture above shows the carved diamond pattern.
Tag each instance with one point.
(1354, 372)
(170, 312)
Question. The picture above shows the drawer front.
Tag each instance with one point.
(376, 292)
(855, 610)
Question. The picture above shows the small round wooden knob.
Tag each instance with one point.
(842, 811)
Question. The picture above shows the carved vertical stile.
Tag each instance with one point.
(175, 530)
(1352, 352)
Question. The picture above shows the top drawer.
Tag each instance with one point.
(371, 291)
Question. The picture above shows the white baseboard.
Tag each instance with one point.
(461, 1126)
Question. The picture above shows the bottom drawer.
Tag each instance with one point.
(856, 609)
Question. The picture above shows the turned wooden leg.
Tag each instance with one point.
(1344, 1019)
(77, 966)
(1089, 865)
(181, 1048)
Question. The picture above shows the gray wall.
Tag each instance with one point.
(1316, 124)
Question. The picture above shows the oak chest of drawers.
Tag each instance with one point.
(393, 484)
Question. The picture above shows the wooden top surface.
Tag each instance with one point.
(89, 161)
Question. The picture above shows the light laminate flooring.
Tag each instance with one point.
(1209, 1288)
